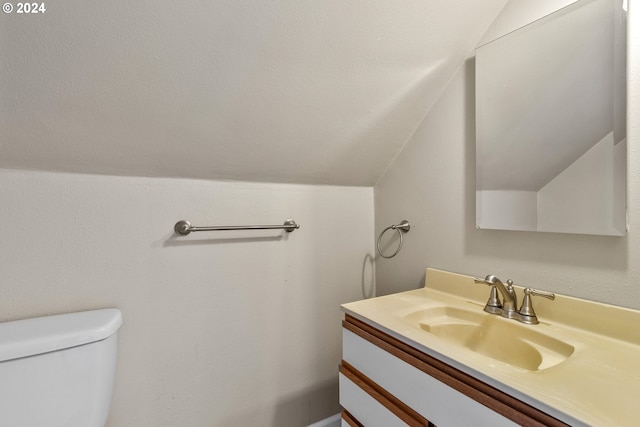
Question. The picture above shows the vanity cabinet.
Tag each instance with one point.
(385, 382)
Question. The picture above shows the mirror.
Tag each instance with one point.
(551, 123)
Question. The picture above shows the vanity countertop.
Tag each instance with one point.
(596, 383)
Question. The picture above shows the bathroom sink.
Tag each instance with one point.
(579, 364)
(493, 336)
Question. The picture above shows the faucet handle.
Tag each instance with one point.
(493, 305)
(531, 291)
(527, 314)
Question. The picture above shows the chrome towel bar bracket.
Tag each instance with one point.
(184, 227)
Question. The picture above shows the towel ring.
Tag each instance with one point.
(401, 228)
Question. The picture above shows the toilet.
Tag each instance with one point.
(58, 371)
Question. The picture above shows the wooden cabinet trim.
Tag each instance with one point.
(498, 401)
(382, 396)
(348, 418)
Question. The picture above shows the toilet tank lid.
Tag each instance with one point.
(29, 337)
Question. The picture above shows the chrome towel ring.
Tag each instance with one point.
(401, 228)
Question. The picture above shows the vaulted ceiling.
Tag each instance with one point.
(321, 92)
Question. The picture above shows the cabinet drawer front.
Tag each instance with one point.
(441, 404)
(365, 408)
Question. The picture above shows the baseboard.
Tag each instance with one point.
(332, 421)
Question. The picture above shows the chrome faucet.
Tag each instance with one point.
(507, 308)
(509, 304)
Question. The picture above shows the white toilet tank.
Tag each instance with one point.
(58, 371)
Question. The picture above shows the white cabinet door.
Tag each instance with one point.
(365, 408)
(434, 400)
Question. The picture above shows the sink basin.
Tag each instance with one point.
(498, 338)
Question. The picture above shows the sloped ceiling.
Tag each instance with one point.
(320, 92)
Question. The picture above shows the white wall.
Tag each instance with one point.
(432, 184)
(220, 329)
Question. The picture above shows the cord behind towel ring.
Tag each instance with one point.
(401, 228)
